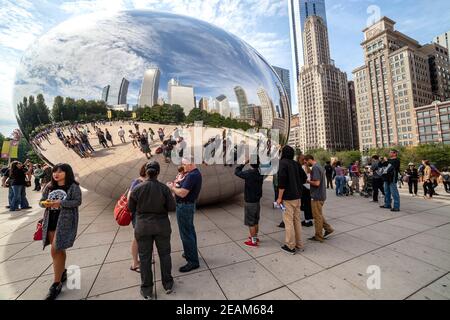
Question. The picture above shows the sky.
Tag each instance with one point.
(264, 24)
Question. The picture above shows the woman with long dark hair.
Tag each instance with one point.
(61, 198)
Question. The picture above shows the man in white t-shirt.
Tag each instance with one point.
(121, 133)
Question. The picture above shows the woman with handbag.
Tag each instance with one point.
(134, 246)
(61, 198)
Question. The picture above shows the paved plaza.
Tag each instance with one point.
(412, 249)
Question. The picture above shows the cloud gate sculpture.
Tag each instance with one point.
(141, 72)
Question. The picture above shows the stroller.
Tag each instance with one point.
(368, 185)
(347, 189)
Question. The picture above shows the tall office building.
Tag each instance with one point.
(284, 76)
(242, 100)
(299, 11)
(325, 119)
(203, 104)
(295, 132)
(394, 80)
(267, 109)
(150, 87)
(181, 95)
(354, 113)
(223, 106)
(123, 92)
(105, 93)
(438, 60)
(443, 40)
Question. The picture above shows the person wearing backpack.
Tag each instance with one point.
(390, 176)
(445, 174)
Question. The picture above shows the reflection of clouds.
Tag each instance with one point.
(82, 55)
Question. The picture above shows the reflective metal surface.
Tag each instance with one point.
(137, 59)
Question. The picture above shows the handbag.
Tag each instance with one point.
(38, 233)
(121, 212)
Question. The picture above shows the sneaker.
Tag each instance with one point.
(188, 268)
(383, 207)
(307, 224)
(27, 208)
(147, 296)
(314, 239)
(54, 291)
(281, 225)
(169, 288)
(395, 210)
(287, 250)
(327, 233)
(250, 243)
(297, 249)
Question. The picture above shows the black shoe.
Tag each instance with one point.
(287, 250)
(395, 210)
(147, 296)
(64, 276)
(188, 268)
(27, 208)
(307, 224)
(169, 288)
(327, 233)
(7, 207)
(383, 207)
(281, 225)
(54, 291)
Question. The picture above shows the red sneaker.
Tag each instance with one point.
(250, 243)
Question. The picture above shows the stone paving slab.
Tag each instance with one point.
(412, 249)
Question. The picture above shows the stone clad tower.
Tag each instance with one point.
(325, 117)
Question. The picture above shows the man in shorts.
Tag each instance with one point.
(252, 194)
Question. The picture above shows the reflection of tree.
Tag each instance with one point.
(215, 120)
(165, 114)
(32, 113)
(69, 109)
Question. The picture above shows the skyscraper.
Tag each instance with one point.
(354, 113)
(325, 118)
(242, 100)
(150, 87)
(443, 40)
(267, 113)
(105, 93)
(203, 104)
(123, 92)
(284, 76)
(394, 80)
(181, 95)
(223, 106)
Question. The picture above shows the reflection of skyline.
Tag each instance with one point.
(129, 43)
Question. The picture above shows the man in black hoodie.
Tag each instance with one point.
(291, 178)
(253, 194)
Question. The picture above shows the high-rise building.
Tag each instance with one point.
(443, 40)
(105, 93)
(123, 92)
(438, 60)
(223, 106)
(394, 80)
(150, 87)
(242, 100)
(299, 11)
(325, 119)
(284, 76)
(354, 113)
(294, 135)
(433, 123)
(181, 95)
(267, 112)
(203, 104)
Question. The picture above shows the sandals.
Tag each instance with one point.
(137, 269)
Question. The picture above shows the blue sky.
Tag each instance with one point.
(262, 23)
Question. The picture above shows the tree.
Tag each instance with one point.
(32, 113)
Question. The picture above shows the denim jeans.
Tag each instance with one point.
(340, 180)
(23, 198)
(10, 195)
(16, 197)
(391, 191)
(185, 218)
